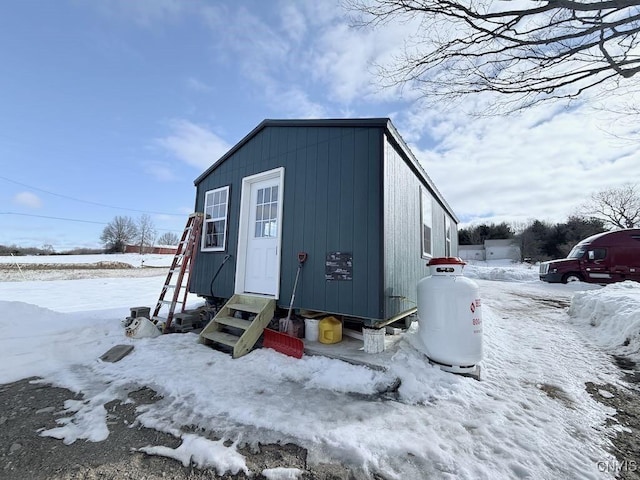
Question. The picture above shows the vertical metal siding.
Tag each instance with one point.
(332, 202)
(403, 262)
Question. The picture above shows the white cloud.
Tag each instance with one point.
(271, 57)
(346, 61)
(542, 164)
(307, 62)
(314, 50)
(194, 144)
(294, 102)
(293, 21)
(27, 199)
(197, 85)
(255, 45)
(322, 13)
(160, 171)
(185, 210)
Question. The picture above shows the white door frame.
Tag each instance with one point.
(243, 226)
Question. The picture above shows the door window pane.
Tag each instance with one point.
(266, 222)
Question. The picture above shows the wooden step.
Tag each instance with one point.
(221, 337)
(234, 322)
(263, 309)
(246, 308)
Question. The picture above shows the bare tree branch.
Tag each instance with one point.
(146, 232)
(168, 238)
(557, 49)
(118, 233)
(618, 207)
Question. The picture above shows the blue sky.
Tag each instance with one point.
(114, 107)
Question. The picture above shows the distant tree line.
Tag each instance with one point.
(537, 240)
(6, 250)
(118, 233)
(613, 208)
(544, 241)
(123, 231)
(476, 235)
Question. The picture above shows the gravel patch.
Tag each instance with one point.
(626, 402)
(30, 407)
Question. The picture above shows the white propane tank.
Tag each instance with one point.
(450, 316)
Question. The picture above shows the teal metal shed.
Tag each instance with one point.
(348, 192)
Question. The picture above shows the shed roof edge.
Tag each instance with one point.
(322, 122)
(383, 122)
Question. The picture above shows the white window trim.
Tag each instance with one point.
(206, 220)
(425, 197)
(447, 235)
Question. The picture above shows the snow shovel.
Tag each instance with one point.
(283, 343)
(280, 341)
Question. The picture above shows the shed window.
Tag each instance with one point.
(216, 209)
(426, 214)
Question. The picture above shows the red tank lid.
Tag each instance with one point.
(446, 261)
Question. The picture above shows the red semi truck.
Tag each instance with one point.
(603, 258)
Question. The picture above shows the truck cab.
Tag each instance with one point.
(603, 258)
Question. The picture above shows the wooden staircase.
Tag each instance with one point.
(238, 333)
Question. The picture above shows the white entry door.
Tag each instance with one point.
(263, 231)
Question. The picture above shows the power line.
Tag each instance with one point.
(85, 201)
(53, 218)
(71, 219)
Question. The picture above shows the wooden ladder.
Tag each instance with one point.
(239, 334)
(181, 266)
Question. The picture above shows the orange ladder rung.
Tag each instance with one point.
(181, 265)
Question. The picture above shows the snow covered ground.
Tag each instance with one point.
(134, 259)
(529, 417)
(66, 267)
